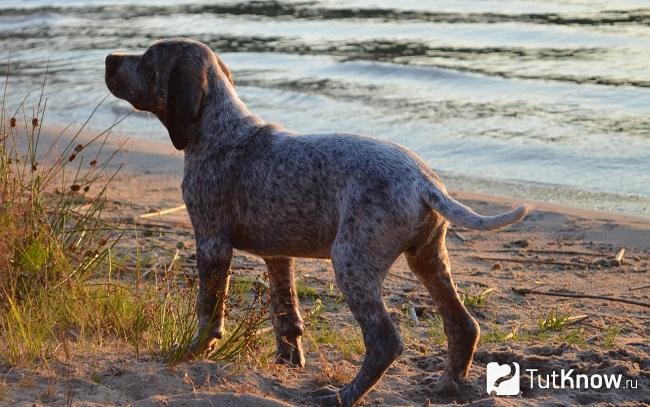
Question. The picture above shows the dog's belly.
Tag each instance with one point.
(319, 253)
(297, 220)
(308, 243)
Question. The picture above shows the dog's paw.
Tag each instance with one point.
(294, 359)
(199, 347)
(328, 396)
(446, 386)
(459, 390)
(290, 353)
(204, 347)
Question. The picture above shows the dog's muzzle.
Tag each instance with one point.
(113, 62)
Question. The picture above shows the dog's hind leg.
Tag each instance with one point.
(430, 263)
(287, 323)
(359, 274)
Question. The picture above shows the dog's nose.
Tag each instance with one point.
(113, 62)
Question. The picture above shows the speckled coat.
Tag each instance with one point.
(258, 187)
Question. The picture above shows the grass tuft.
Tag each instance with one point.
(306, 292)
(436, 331)
(554, 321)
(479, 300)
(345, 339)
(54, 238)
(66, 280)
(611, 333)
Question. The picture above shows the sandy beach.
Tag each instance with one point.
(569, 253)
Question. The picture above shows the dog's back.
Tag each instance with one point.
(287, 193)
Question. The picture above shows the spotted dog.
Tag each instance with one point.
(260, 188)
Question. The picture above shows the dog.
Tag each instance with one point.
(257, 187)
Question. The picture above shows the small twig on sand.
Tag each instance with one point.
(536, 251)
(162, 212)
(578, 319)
(174, 260)
(264, 330)
(535, 261)
(460, 237)
(619, 255)
(640, 287)
(159, 226)
(412, 280)
(525, 291)
(414, 316)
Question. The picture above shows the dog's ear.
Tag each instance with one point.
(225, 70)
(185, 93)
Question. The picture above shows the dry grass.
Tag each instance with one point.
(62, 286)
(54, 237)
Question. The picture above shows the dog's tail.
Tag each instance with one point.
(439, 200)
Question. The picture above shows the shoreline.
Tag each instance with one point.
(148, 158)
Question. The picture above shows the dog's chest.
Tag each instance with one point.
(207, 193)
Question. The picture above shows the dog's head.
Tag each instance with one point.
(171, 80)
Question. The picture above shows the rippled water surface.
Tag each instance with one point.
(547, 100)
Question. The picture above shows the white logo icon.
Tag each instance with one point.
(496, 371)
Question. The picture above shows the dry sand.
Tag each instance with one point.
(555, 249)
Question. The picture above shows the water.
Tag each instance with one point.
(540, 99)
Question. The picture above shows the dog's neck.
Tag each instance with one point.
(225, 120)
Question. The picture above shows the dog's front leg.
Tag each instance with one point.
(213, 256)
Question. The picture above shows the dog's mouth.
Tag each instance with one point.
(118, 90)
(113, 86)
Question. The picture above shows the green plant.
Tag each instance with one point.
(609, 339)
(479, 300)
(497, 334)
(436, 331)
(554, 321)
(306, 292)
(345, 339)
(178, 324)
(96, 378)
(54, 237)
(58, 252)
(575, 337)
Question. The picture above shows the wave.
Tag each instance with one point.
(309, 11)
(383, 98)
(577, 79)
(461, 59)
